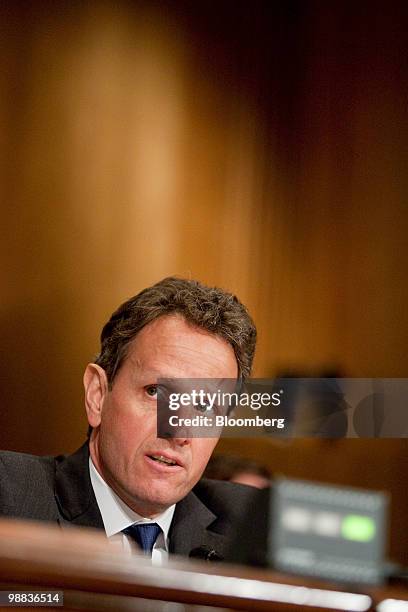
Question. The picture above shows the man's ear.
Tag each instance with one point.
(96, 390)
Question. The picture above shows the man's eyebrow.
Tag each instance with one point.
(155, 375)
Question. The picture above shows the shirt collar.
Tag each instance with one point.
(116, 515)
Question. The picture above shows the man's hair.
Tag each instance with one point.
(208, 308)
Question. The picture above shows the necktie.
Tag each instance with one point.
(145, 534)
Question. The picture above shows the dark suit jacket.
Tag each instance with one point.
(58, 489)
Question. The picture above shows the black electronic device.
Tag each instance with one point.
(330, 532)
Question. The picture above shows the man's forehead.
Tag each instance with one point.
(169, 343)
(171, 323)
(174, 332)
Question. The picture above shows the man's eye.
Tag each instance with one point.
(151, 390)
(206, 407)
(202, 407)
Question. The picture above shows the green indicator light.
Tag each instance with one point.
(358, 528)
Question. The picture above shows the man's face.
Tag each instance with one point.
(124, 442)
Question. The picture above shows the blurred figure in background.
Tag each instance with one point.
(238, 469)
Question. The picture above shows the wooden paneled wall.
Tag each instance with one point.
(260, 147)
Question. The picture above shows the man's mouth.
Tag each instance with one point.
(162, 459)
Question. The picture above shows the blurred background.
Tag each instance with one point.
(260, 146)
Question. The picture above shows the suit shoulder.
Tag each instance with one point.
(26, 480)
(19, 462)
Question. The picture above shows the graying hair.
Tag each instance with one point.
(208, 308)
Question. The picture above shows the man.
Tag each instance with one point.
(126, 480)
(237, 469)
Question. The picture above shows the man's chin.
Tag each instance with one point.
(153, 503)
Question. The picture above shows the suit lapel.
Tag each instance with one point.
(73, 491)
(195, 526)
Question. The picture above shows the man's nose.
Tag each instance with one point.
(181, 441)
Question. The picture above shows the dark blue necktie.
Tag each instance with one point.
(145, 534)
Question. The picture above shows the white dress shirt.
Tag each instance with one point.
(116, 516)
